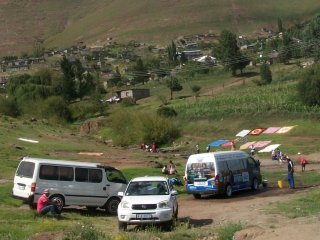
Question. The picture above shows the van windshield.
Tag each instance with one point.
(201, 170)
(25, 169)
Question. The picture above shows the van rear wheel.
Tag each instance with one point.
(228, 190)
(112, 206)
(255, 184)
(59, 200)
(197, 196)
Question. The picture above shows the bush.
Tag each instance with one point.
(309, 87)
(85, 231)
(86, 109)
(265, 73)
(128, 101)
(55, 107)
(131, 127)
(9, 107)
(166, 112)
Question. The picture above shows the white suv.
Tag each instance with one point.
(148, 200)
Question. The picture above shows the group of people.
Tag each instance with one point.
(303, 163)
(149, 147)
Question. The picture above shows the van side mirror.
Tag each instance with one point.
(174, 192)
(120, 194)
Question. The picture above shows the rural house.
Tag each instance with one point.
(136, 94)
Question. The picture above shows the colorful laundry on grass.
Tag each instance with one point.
(271, 130)
(261, 144)
(218, 143)
(243, 133)
(256, 131)
(246, 145)
(285, 129)
(270, 148)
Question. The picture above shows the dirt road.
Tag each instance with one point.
(253, 210)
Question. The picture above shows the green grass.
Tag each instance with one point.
(302, 179)
(227, 231)
(301, 206)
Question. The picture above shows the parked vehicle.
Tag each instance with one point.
(69, 182)
(221, 173)
(148, 200)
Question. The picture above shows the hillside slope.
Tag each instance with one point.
(63, 23)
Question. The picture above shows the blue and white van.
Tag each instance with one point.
(221, 173)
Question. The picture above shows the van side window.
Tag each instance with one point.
(48, 172)
(114, 175)
(88, 175)
(65, 173)
(82, 174)
(95, 175)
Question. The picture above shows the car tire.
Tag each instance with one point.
(112, 206)
(255, 184)
(59, 200)
(228, 190)
(167, 226)
(122, 226)
(197, 196)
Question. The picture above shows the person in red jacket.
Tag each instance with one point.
(303, 162)
(44, 205)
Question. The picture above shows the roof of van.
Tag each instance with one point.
(64, 162)
(219, 156)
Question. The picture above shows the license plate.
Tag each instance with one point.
(144, 216)
(21, 187)
(200, 183)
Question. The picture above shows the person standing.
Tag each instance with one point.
(44, 205)
(290, 173)
(303, 162)
(198, 148)
(208, 148)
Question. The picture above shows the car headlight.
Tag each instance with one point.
(125, 205)
(164, 204)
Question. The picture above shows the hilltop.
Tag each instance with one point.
(64, 23)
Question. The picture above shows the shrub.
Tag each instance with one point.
(128, 101)
(85, 231)
(55, 107)
(265, 73)
(9, 107)
(131, 127)
(309, 87)
(166, 112)
(86, 109)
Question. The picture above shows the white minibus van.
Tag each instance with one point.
(69, 182)
(221, 173)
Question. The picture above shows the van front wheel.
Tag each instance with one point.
(112, 206)
(255, 184)
(228, 190)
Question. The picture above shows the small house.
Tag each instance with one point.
(136, 94)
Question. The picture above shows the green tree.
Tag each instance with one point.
(265, 74)
(174, 85)
(229, 52)
(140, 72)
(196, 90)
(286, 49)
(68, 86)
(280, 27)
(309, 87)
(172, 53)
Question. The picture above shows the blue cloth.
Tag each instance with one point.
(218, 143)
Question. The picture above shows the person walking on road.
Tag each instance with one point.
(290, 173)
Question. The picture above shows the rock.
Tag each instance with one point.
(90, 126)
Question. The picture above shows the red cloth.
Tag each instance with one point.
(42, 202)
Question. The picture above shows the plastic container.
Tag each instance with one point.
(280, 183)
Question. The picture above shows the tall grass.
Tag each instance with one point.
(274, 99)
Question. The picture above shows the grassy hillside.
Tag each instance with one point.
(63, 23)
